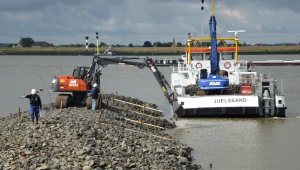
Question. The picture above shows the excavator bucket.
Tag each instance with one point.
(178, 110)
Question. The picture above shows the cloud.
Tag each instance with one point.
(69, 21)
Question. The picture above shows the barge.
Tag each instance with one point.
(212, 81)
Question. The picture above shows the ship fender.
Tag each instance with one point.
(227, 65)
(198, 65)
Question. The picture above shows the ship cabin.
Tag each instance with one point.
(196, 60)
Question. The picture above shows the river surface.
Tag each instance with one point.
(228, 144)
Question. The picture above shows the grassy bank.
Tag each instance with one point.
(270, 50)
(138, 50)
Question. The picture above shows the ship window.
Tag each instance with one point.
(279, 101)
(197, 56)
(227, 56)
(266, 83)
(207, 56)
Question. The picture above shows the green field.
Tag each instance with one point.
(138, 50)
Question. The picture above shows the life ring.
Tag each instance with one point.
(227, 65)
(198, 65)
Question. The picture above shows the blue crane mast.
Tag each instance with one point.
(213, 82)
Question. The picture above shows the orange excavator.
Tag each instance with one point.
(76, 88)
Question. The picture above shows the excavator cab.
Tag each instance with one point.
(80, 72)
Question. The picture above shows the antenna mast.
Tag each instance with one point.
(97, 43)
(236, 34)
(213, 8)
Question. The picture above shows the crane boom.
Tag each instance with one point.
(213, 82)
(214, 55)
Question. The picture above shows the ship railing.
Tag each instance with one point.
(279, 93)
(242, 65)
(182, 67)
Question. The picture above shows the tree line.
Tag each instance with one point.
(28, 41)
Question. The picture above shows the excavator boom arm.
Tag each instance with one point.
(101, 62)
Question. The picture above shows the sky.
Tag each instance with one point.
(136, 21)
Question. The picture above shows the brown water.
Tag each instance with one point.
(260, 143)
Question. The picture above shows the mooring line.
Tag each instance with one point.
(143, 123)
(150, 108)
(135, 112)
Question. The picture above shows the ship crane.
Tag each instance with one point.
(213, 82)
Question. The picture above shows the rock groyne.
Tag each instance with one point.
(119, 136)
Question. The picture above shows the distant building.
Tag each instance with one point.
(17, 46)
(260, 44)
(174, 43)
(41, 44)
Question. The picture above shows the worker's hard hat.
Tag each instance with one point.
(33, 91)
(95, 85)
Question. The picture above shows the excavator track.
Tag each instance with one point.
(63, 100)
(89, 102)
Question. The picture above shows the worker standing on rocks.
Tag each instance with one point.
(35, 104)
(94, 93)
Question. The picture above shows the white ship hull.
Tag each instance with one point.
(227, 106)
(218, 101)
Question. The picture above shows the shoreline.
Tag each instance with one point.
(247, 50)
(79, 138)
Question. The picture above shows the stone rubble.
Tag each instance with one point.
(77, 138)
